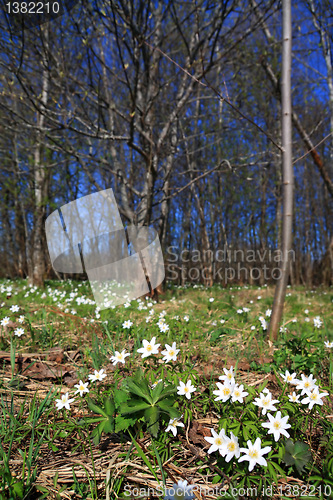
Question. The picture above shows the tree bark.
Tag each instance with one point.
(287, 167)
(40, 179)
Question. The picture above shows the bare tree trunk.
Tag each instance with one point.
(40, 180)
(287, 166)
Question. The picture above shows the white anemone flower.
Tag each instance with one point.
(265, 401)
(290, 378)
(317, 322)
(149, 348)
(155, 383)
(263, 323)
(5, 321)
(170, 352)
(254, 454)
(81, 387)
(19, 332)
(127, 324)
(277, 425)
(164, 328)
(173, 424)
(307, 384)
(185, 389)
(230, 447)
(238, 394)
(228, 375)
(314, 398)
(180, 491)
(98, 375)
(216, 441)
(119, 357)
(294, 398)
(329, 344)
(224, 391)
(64, 402)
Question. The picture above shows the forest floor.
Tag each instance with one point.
(116, 442)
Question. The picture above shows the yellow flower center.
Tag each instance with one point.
(277, 425)
(266, 401)
(149, 347)
(226, 391)
(253, 454)
(231, 446)
(218, 441)
(307, 384)
(186, 389)
(171, 352)
(289, 378)
(119, 356)
(313, 396)
(237, 393)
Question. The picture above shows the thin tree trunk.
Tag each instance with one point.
(40, 179)
(287, 166)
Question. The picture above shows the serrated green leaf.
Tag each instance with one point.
(122, 424)
(120, 397)
(297, 454)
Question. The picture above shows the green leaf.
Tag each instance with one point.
(279, 469)
(120, 397)
(168, 391)
(140, 390)
(157, 391)
(97, 433)
(297, 454)
(133, 407)
(96, 409)
(151, 417)
(109, 407)
(109, 425)
(272, 472)
(167, 408)
(145, 459)
(122, 424)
